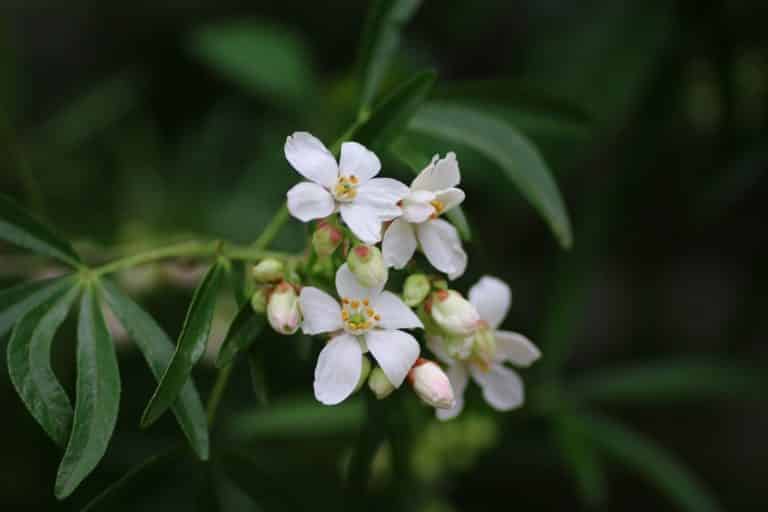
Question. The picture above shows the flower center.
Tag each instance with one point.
(346, 188)
(439, 207)
(358, 315)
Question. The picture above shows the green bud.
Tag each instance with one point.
(454, 314)
(268, 271)
(326, 238)
(259, 300)
(379, 384)
(416, 289)
(364, 372)
(366, 263)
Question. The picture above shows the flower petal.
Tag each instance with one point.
(308, 201)
(417, 206)
(358, 160)
(515, 348)
(492, 298)
(441, 245)
(440, 174)
(382, 195)
(394, 313)
(311, 159)
(450, 198)
(399, 244)
(322, 312)
(502, 387)
(363, 221)
(349, 287)
(436, 345)
(395, 351)
(459, 377)
(338, 369)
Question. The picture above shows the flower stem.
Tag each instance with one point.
(372, 435)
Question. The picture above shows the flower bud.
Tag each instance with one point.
(364, 372)
(430, 382)
(326, 238)
(283, 309)
(379, 384)
(366, 263)
(268, 271)
(416, 289)
(484, 347)
(453, 313)
(259, 300)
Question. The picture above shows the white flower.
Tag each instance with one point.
(501, 386)
(432, 193)
(349, 186)
(368, 319)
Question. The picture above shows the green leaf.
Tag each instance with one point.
(417, 160)
(29, 365)
(381, 39)
(190, 346)
(157, 349)
(146, 473)
(264, 59)
(393, 113)
(579, 455)
(651, 461)
(671, 381)
(18, 301)
(98, 397)
(20, 228)
(241, 334)
(508, 148)
(297, 419)
(241, 285)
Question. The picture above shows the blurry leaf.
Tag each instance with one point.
(381, 38)
(672, 380)
(417, 160)
(190, 346)
(258, 377)
(241, 284)
(147, 473)
(98, 397)
(157, 350)
(264, 59)
(503, 144)
(29, 365)
(578, 453)
(18, 301)
(651, 461)
(20, 228)
(297, 418)
(241, 334)
(393, 113)
(90, 114)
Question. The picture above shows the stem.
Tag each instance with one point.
(372, 435)
(272, 229)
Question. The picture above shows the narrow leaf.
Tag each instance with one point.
(508, 148)
(145, 473)
(580, 457)
(29, 365)
(241, 285)
(417, 160)
(20, 228)
(393, 113)
(671, 381)
(241, 334)
(157, 349)
(190, 346)
(381, 39)
(18, 301)
(653, 462)
(98, 397)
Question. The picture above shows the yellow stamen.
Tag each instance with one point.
(365, 302)
(355, 304)
(439, 207)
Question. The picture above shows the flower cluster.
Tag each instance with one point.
(363, 322)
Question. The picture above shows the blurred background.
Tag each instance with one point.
(131, 126)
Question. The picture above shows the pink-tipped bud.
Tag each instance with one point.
(430, 382)
(366, 263)
(454, 314)
(326, 238)
(283, 309)
(268, 270)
